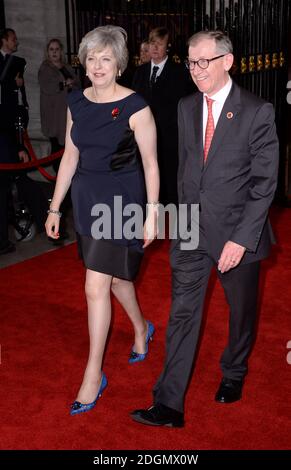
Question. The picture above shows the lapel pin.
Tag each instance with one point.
(229, 115)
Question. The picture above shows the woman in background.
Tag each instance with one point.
(144, 52)
(56, 79)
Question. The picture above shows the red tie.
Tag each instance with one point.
(209, 128)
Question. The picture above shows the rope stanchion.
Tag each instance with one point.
(35, 162)
(34, 158)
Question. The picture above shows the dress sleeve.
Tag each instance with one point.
(137, 103)
(73, 98)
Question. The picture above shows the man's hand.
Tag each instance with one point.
(230, 257)
(19, 80)
(23, 156)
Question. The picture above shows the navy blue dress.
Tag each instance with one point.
(109, 166)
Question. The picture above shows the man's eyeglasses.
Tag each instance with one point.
(202, 63)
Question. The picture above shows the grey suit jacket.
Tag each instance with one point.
(236, 185)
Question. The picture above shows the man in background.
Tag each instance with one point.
(162, 83)
(13, 95)
(144, 52)
(13, 116)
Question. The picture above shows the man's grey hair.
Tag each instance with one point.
(102, 37)
(223, 43)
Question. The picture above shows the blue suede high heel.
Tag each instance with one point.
(136, 357)
(78, 407)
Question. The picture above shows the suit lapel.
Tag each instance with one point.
(143, 82)
(228, 115)
(164, 72)
(148, 68)
(147, 74)
(6, 65)
(197, 121)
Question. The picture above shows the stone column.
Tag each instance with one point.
(35, 22)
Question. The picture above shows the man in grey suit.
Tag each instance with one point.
(228, 163)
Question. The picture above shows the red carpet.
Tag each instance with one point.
(44, 351)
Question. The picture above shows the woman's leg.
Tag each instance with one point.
(97, 290)
(124, 291)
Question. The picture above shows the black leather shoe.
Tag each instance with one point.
(229, 391)
(159, 415)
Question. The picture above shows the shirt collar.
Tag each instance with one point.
(222, 94)
(160, 65)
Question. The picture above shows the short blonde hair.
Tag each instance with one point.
(103, 36)
(60, 44)
(158, 33)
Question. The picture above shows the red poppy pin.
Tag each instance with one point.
(115, 113)
(229, 115)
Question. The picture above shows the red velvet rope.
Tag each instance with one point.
(35, 162)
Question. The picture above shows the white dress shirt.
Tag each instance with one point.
(219, 100)
(160, 65)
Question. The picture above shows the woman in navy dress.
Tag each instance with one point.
(110, 159)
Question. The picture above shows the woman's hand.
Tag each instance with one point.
(150, 229)
(52, 226)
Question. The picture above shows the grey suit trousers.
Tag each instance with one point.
(190, 275)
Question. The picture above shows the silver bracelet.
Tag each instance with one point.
(52, 211)
(154, 204)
